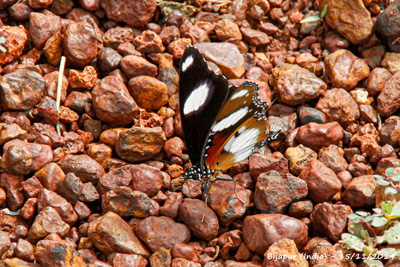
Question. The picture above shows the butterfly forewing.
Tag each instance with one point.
(239, 129)
(202, 94)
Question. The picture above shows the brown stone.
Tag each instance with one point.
(316, 136)
(134, 66)
(330, 220)
(275, 192)
(338, 105)
(255, 37)
(322, 182)
(184, 251)
(296, 85)
(349, 18)
(226, 56)
(12, 185)
(284, 252)
(47, 222)
(227, 30)
(85, 79)
(345, 70)
(161, 232)
(259, 164)
(367, 138)
(134, 13)
(192, 212)
(262, 230)
(106, 93)
(80, 44)
(377, 80)
(83, 166)
(116, 36)
(388, 99)
(298, 158)
(148, 92)
(360, 192)
(127, 260)
(16, 37)
(137, 143)
(391, 61)
(148, 42)
(58, 254)
(161, 257)
(42, 27)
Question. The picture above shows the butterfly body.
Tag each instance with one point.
(222, 124)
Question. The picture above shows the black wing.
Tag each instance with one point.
(202, 93)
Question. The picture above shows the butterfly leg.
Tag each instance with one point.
(206, 186)
(236, 193)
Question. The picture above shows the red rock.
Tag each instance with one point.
(255, 37)
(118, 35)
(345, 70)
(16, 37)
(66, 254)
(51, 85)
(367, 138)
(134, 66)
(262, 230)
(12, 185)
(338, 105)
(316, 136)
(148, 42)
(333, 157)
(183, 251)
(80, 44)
(24, 250)
(298, 157)
(127, 260)
(50, 176)
(322, 182)
(126, 203)
(192, 212)
(177, 47)
(330, 220)
(161, 232)
(259, 164)
(134, 13)
(83, 166)
(85, 79)
(296, 85)
(387, 99)
(360, 192)
(42, 27)
(148, 92)
(111, 234)
(135, 142)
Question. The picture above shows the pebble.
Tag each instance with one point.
(226, 56)
(260, 231)
(126, 203)
(148, 42)
(376, 81)
(301, 208)
(111, 234)
(80, 44)
(83, 166)
(22, 89)
(61, 7)
(345, 70)
(367, 138)
(112, 90)
(389, 133)
(22, 158)
(298, 158)
(161, 232)
(227, 30)
(386, 22)
(282, 250)
(133, 143)
(148, 92)
(223, 200)
(125, 260)
(387, 101)
(255, 37)
(47, 222)
(338, 105)
(117, 36)
(360, 192)
(16, 38)
(322, 182)
(295, 85)
(132, 12)
(85, 79)
(309, 114)
(259, 164)
(333, 158)
(391, 61)
(184, 251)
(191, 213)
(12, 185)
(352, 20)
(274, 192)
(330, 220)
(66, 256)
(42, 27)
(134, 66)
(316, 136)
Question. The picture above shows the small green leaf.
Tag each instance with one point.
(353, 242)
(2, 39)
(390, 190)
(389, 252)
(3, 49)
(369, 218)
(395, 211)
(389, 171)
(310, 19)
(364, 234)
(377, 176)
(382, 182)
(392, 236)
(378, 211)
(387, 207)
(362, 213)
(353, 216)
(373, 263)
(323, 13)
(379, 221)
(396, 177)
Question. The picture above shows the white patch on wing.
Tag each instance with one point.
(197, 98)
(188, 61)
(230, 120)
(243, 92)
(241, 146)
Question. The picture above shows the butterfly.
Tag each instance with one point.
(222, 125)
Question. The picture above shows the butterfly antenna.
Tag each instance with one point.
(273, 101)
(163, 160)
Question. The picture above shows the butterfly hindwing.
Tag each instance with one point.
(202, 94)
(239, 129)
